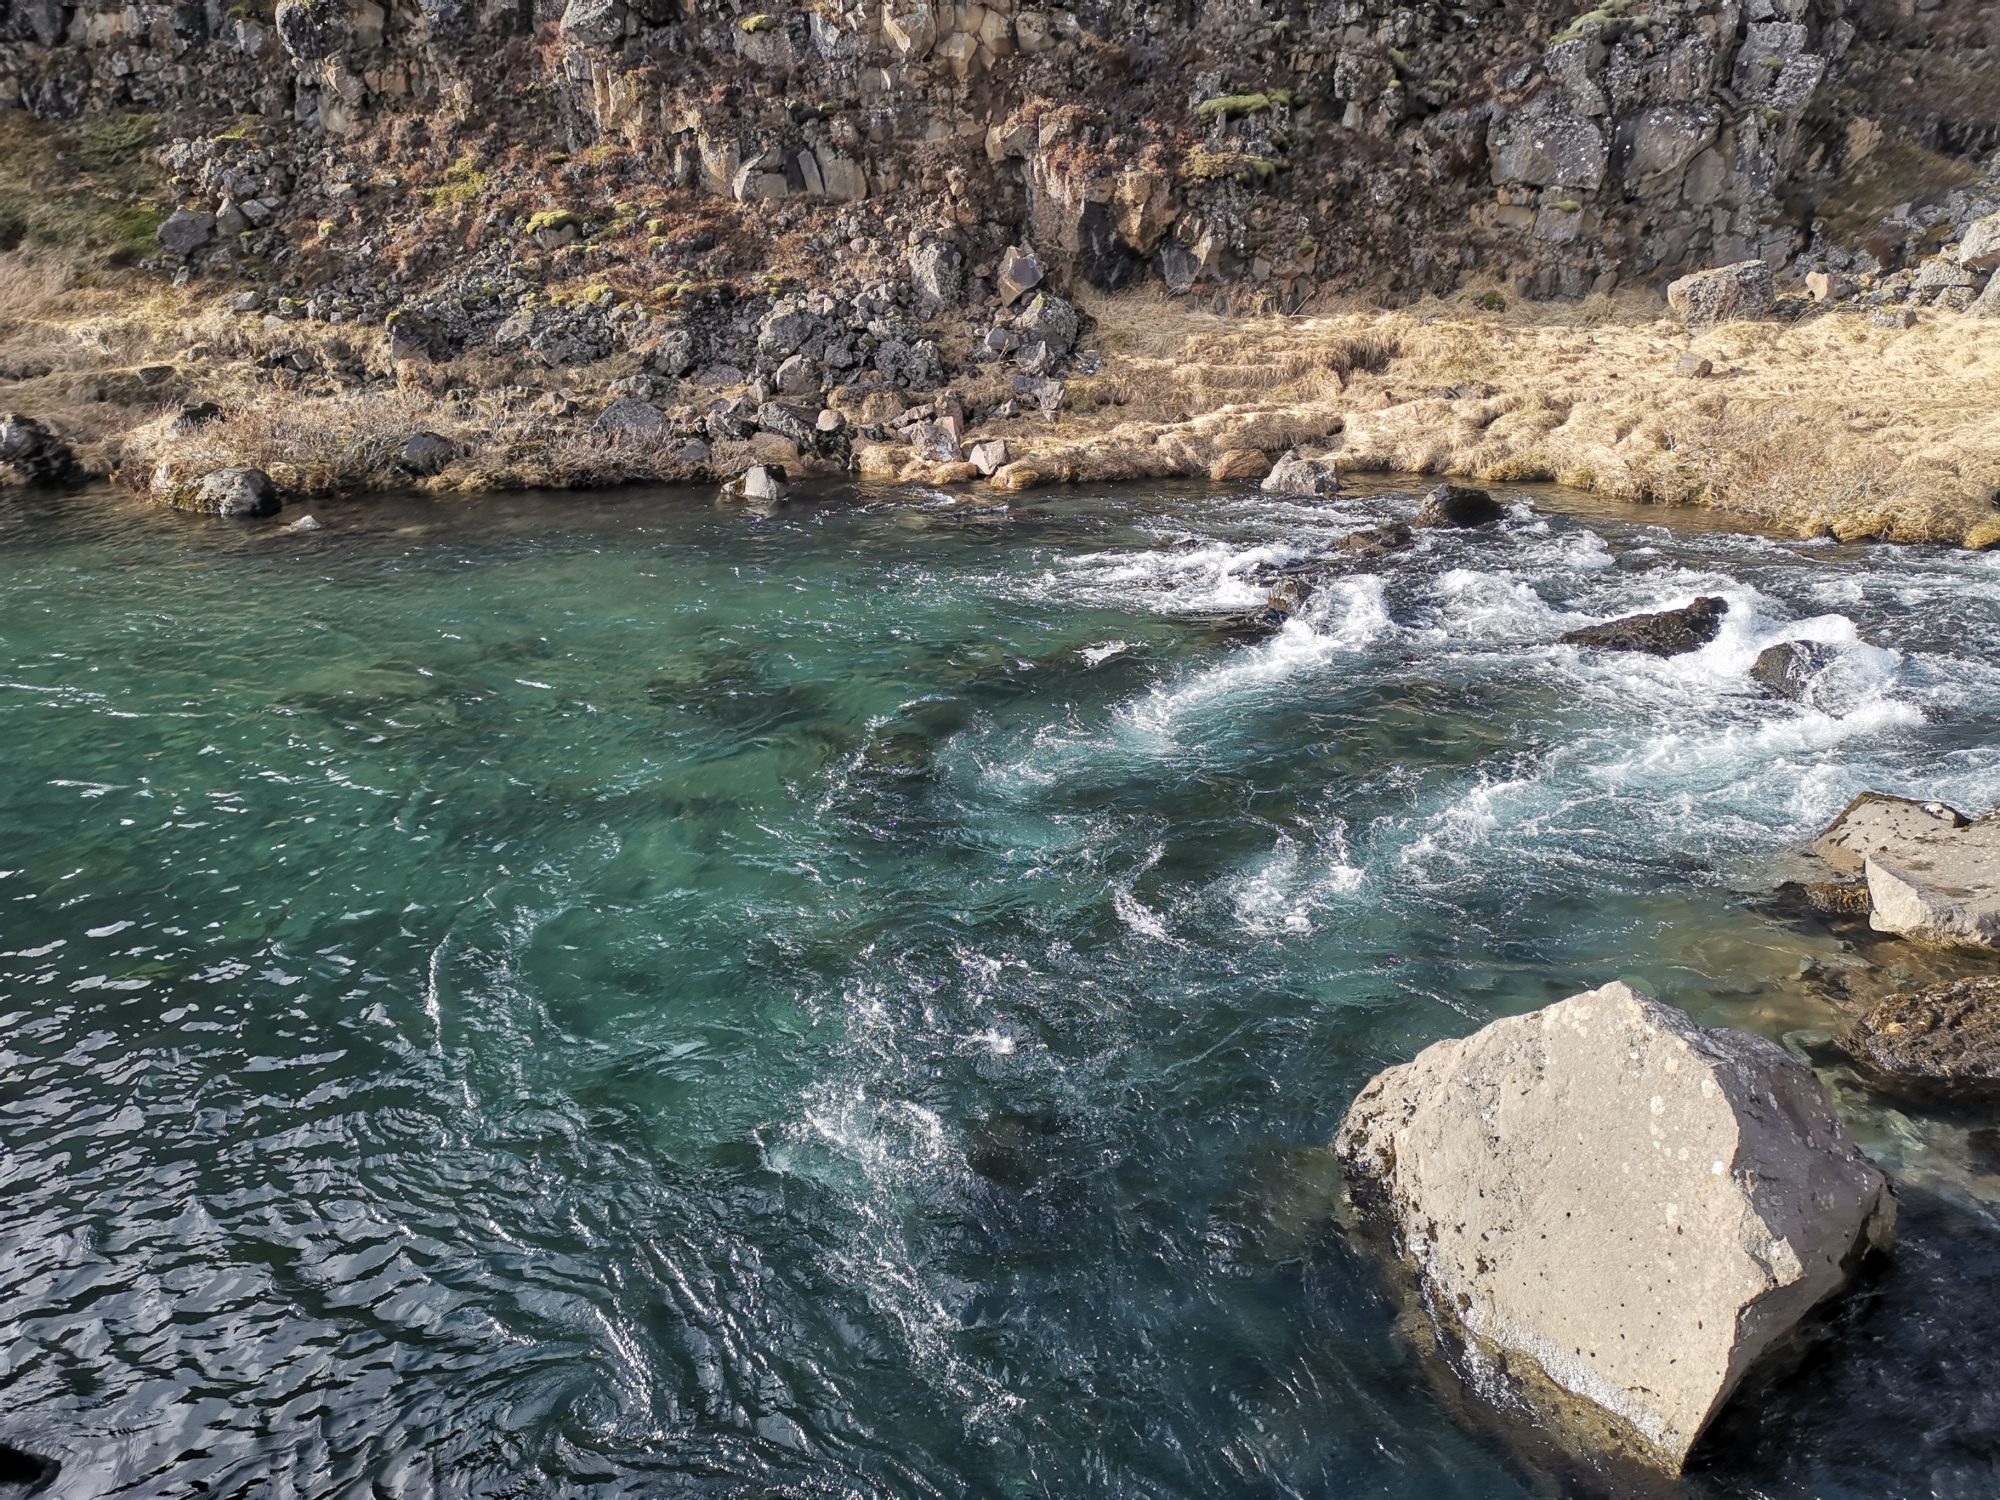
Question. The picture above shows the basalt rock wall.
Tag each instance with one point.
(1290, 145)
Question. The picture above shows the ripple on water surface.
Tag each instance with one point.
(607, 995)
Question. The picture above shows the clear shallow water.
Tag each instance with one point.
(612, 996)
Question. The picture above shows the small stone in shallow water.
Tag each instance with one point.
(1670, 632)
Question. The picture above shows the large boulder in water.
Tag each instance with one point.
(241, 494)
(1613, 1212)
(1294, 474)
(1670, 632)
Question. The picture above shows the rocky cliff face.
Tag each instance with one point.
(1282, 145)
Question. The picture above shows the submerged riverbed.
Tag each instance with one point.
(613, 995)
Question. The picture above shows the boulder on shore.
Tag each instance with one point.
(1943, 1038)
(1612, 1211)
(1933, 874)
(1669, 632)
(241, 494)
(1725, 293)
(1458, 505)
(40, 457)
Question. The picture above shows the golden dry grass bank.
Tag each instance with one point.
(1829, 424)
(1826, 424)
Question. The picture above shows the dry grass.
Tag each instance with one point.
(1829, 425)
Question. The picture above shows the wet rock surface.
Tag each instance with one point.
(1458, 506)
(1614, 1213)
(1789, 667)
(1943, 1038)
(239, 494)
(1668, 632)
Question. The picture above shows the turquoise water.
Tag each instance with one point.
(608, 995)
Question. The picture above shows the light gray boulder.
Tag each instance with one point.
(241, 494)
(1019, 274)
(1296, 475)
(1979, 250)
(1725, 294)
(1613, 1213)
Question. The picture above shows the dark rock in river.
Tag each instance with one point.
(1790, 666)
(1671, 632)
(1945, 1037)
(1377, 541)
(1456, 505)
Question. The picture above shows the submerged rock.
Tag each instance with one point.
(1457, 505)
(1613, 1212)
(1295, 475)
(1377, 541)
(1945, 1037)
(1670, 632)
(1789, 667)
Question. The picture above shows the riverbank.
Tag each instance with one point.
(1814, 423)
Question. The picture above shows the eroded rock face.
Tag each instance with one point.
(1944, 889)
(1615, 1212)
(1668, 632)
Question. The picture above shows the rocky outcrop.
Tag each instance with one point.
(1613, 1213)
(1669, 632)
(1944, 1038)
(1529, 142)
(1933, 874)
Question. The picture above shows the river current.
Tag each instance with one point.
(608, 995)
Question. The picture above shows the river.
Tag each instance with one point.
(609, 995)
